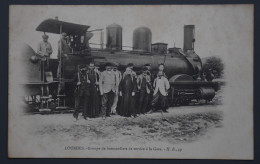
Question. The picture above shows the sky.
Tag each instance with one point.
(216, 27)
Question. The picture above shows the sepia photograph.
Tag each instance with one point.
(131, 81)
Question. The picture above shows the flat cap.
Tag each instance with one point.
(82, 66)
(115, 64)
(130, 65)
(44, 36)
(108, 64)
(148, 64)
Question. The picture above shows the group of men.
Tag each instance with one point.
(111, 91)
(44, 50)
(127, 94)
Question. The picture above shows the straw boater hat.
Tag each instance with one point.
(63, 34)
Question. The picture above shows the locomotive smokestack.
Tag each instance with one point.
(189, 38)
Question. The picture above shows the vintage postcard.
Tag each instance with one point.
(132, 81)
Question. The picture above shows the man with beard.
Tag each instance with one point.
(94, 103)
(82, 92)
(127, 90)
(144, 88)
(107, 87)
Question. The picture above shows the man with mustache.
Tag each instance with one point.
(82, 92)
(107, 87)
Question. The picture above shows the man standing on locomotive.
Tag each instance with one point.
(107, 87)
(82, 92)
(63, 51)
(118, 79)
(44, 49)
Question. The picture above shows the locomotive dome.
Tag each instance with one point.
(142, 39)
(114, 25)
(114, 36)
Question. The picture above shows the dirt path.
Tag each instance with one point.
(181, 124)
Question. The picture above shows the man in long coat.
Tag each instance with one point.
(127, 92)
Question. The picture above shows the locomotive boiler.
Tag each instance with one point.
(182, 67)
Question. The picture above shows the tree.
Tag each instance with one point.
(214, 65)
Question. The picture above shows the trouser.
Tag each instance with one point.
(143, 101)
(44, 68)
(113, 108)
(107, 102)
(158, 97)
(78, 100)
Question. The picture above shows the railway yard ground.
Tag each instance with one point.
(182, 124)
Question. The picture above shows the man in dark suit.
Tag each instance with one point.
(82, 92)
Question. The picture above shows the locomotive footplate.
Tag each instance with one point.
(38, 95)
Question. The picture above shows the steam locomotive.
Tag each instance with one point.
(183, 67)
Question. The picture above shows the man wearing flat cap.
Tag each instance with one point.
(44, 49)
(63, 47)
(82, 92)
